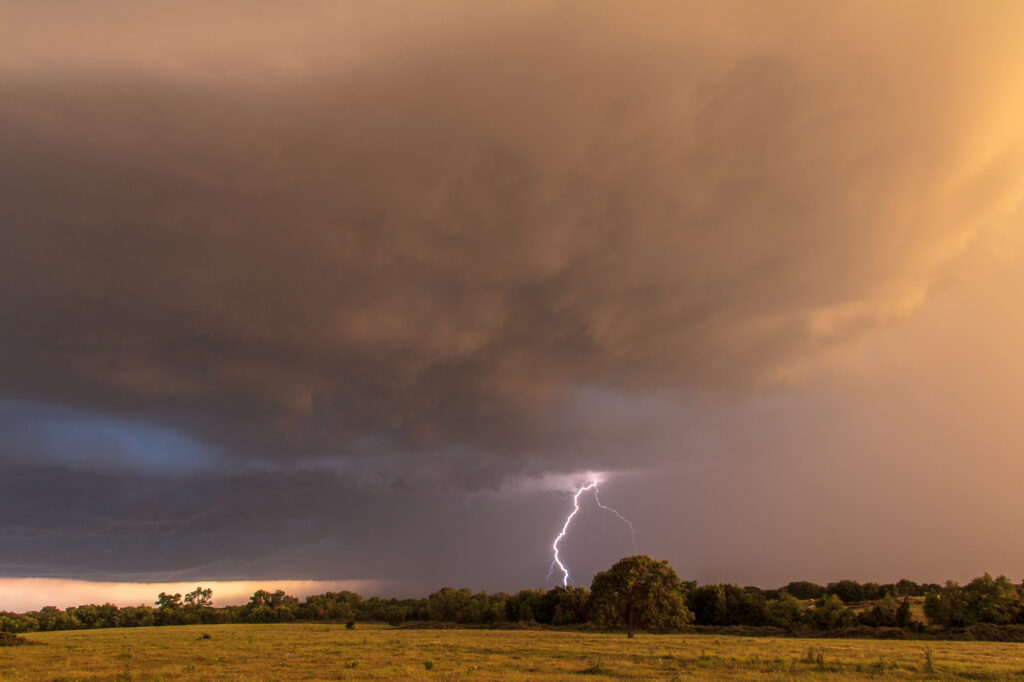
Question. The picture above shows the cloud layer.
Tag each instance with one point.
(432, 248)
(499, 241)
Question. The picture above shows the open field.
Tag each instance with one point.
(306, 651)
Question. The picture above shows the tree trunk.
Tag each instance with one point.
(632, 621)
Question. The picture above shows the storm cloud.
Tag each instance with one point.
(490, 241)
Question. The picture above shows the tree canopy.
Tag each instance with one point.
(639, 592)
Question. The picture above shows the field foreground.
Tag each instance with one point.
(309, 651)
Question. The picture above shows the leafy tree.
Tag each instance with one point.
(396, 614)
(490, 608)
(874, 591)
(848, 591)
(449, 604)
(267, 607)
(198, 606)
(992, 600)
(708, 605)
(903, 616)
(199, 598)
(342, 605)
(14, 622)
(529, 606)
(373, 608)
(168, 601)
(169, 609)
(746, 605)
(570, 605)
(639, 592)
(829, 613)
(887, 612)
(136, 616)
(983, 600)
(804, 589)
(946, 606)
(784, 612)
(908, 588)
(727, 604)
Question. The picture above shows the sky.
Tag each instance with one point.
(358, 293)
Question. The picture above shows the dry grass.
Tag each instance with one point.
(306, 651)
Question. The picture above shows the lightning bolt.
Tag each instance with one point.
(621, 517)
(568, 520)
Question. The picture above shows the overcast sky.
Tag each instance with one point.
(361, 291)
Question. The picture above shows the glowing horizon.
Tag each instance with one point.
(32, 594)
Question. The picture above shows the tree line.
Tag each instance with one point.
(636, 593)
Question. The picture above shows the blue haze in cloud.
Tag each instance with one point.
(80, 439)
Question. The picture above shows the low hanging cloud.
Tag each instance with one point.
(366, 234)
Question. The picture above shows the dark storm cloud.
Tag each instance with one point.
(434, 239)
(67, 523)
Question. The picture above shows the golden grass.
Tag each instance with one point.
(309, 651)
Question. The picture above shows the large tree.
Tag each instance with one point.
(639, 592)
(199, 598)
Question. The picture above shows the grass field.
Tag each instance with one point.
(305, 651)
